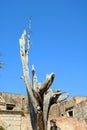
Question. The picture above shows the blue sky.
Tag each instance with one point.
(59, 43)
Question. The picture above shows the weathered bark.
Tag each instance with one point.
(40, 98)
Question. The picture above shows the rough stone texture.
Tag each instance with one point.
(71, 115)
(20, 101)
(10, 120)
(74, 107)
(65, 123)
(81, 110)
(79, 99)
(25, 123)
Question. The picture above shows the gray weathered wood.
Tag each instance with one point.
(40, 97)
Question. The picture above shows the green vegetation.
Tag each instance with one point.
(1, 128)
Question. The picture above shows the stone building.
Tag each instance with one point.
(13, 109)
(14, 113)
(74, 107)
(17, 102)
(71, 115)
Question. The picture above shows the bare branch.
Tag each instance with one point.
(24, 59)
(34, 77)
(45, 85)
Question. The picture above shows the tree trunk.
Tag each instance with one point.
(40, 98)
(36, 118)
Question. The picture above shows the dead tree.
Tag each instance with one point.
(40, 97)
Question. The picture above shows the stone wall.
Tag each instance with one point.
(10, 120)
(26, 123)
(81, 110)
(79, 99)
(20, 101)
(65, 123)
(74, 107)
(70, 115)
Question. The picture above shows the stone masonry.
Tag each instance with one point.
(69, 115)
(74, 107)
(16, 102)
(10, 120)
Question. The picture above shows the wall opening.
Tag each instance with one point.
(70, 112)
(61, 114)
(10, 106)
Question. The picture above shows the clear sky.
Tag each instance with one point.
(59, 43)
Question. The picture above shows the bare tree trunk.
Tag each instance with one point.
(40, 98)
(35, 110)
